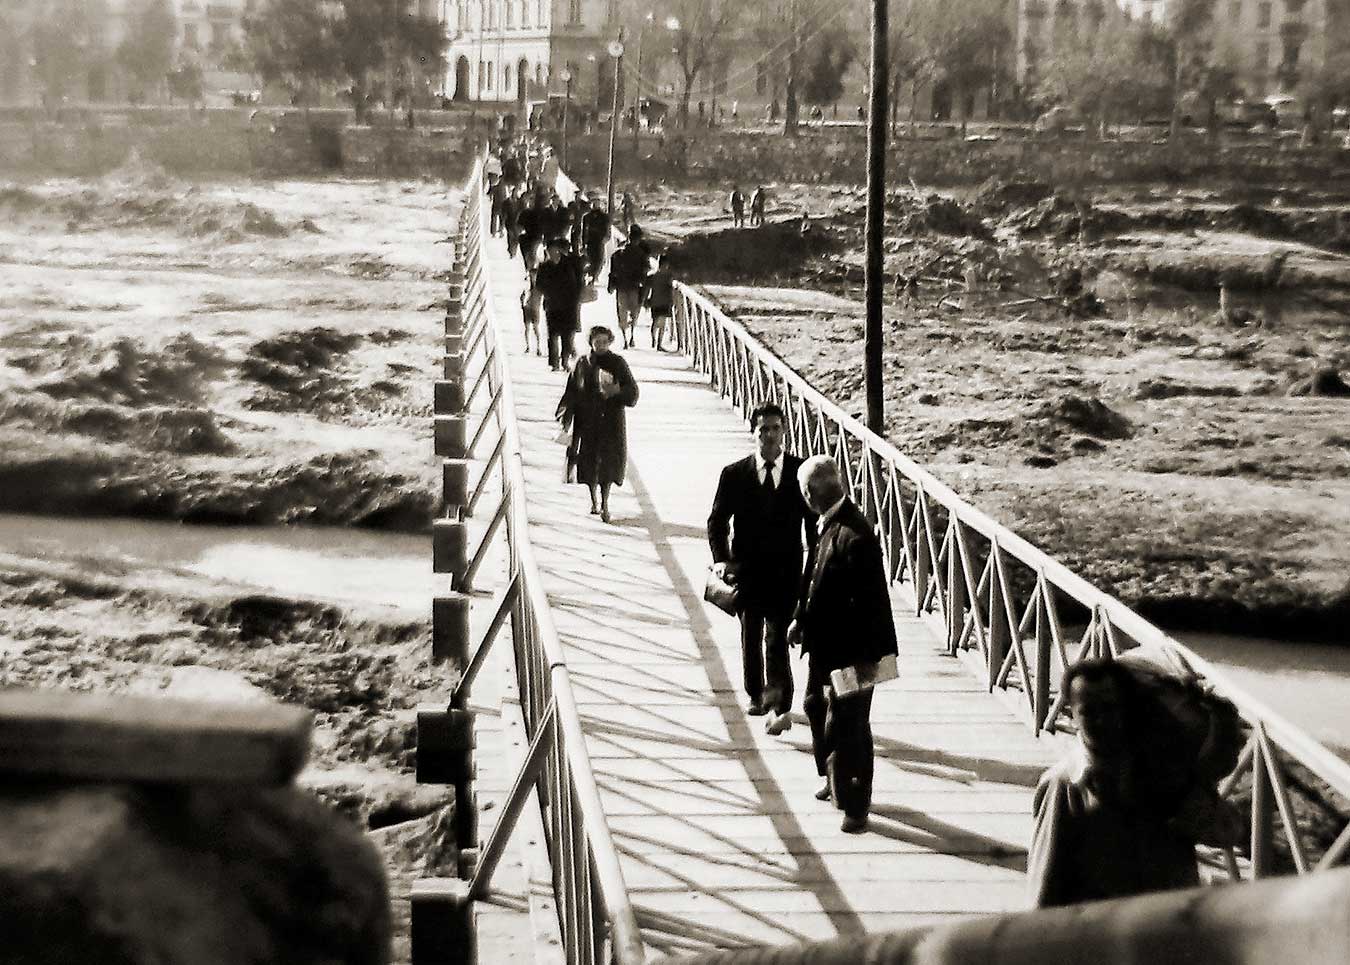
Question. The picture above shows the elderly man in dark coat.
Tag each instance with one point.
(843, 620)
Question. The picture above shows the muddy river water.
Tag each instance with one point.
(1309, 683)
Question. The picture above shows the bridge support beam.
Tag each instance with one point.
(448, 396)
(454, 484)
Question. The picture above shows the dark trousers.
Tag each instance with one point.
(764, 653)
(841, 738)
(561, 342)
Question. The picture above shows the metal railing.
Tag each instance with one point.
(596, 917)
(995, 595)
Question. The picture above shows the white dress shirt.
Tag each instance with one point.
(777, 469)
(828, 515)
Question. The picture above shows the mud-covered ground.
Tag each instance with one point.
(228, 353)
(1063, 359)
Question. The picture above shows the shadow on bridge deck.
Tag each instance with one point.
(721, 840)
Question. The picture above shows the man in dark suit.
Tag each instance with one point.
(843, 619)
(756, 527)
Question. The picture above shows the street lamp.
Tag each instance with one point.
(567, 102)
(876, 220)
(615, 49)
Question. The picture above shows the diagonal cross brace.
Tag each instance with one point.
(544, 737)
(465, 684)
(465, 582)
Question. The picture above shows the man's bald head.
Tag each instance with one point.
(820, 482)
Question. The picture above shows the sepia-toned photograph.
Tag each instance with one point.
(720, 482)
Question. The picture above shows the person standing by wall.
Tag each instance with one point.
(599, 389)
(843, 619)
(755, 531)
(737, 204)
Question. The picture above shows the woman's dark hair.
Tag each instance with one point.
(635, 232)
(597, 330)
(764, 410)
(1099, 669)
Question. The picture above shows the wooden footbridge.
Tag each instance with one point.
(615, 802)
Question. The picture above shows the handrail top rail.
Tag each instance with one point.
(1289, 736)
(626, 936)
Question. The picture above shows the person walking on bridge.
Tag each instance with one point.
(559, 281)
(843, 619)
(599, 389)
(628, 269)
(756, 530)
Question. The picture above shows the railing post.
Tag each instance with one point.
(1263, 815)
(999, 631)
(956, 588)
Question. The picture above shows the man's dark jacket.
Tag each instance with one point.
(845, 609)
(628, 266)
(560, 283)
(765, 543)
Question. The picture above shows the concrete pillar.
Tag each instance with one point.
(455, 483)
(451, 436)
(441, 924)
(449, 547)
(450, 630)
(444, 746)
(448, 396)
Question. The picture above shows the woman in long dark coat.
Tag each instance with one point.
(599, 388)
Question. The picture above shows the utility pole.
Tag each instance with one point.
(637, 83)
(567, 103)
(876, 218)
(790, 100)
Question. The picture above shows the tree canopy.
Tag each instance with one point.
(146, 52)
(826, 59)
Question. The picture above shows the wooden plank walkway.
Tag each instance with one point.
(721, 840)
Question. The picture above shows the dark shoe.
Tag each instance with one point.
(756, 709)
(853, 824)
(824, 793)
(595, 510)
(604, 515)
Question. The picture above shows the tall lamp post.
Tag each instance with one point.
(876, 219)
(615, 49)
(567, 103)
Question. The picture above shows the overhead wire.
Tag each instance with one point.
(761, 63)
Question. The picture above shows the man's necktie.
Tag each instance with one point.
(768, 479)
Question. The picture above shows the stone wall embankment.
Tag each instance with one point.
(235, 143)
(838, 155)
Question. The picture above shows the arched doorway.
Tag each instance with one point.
(522, 80)
(942, 101)
(462, 79)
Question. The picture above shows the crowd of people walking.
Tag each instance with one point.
(1116, 818)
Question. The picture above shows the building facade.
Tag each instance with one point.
(515, 50)
(1271, 46)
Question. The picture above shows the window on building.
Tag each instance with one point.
(506, 78)
(1263, 15)
(1262, 56)
(190, 39)
(574, 11)
(541, 20)
(538, 73)
(510, 13)
(1294, 7)
(491, 74)
(482, 75)
(761, 78)
(1235, 11)
(1291, 52)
